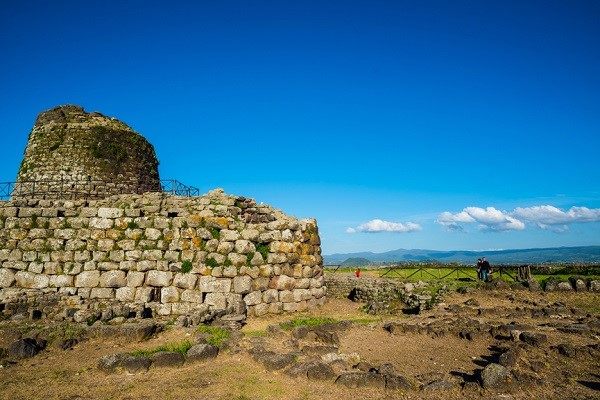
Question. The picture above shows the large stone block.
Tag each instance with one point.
(276, 258)
(159, 278)
(243, 246)
(242, 284)
(287, 296)
(185, 280)
(101, 223)
(144, 294)
(282, 282)
(253, 298)
(105, 212)
(87, 279)
(125, 294)
(210, 284)
(229, 235)
(113, 279)
(218, 301)
(7, 278)
(146, 265)
(250, 234)
(191, 296)
(271, 296)
(169, 294)
(61, 280)
(102, 293)
(135, 278)
(225, 247)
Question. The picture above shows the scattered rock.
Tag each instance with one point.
(167, 359)
(398, 382)
(274, 361)
(510, 358)
(110, 362)
(361, 379)
(201, 352)
(533, 338)
(25, 348)
(495, 376)
(135, 364)
(439, 385)
(319, 371)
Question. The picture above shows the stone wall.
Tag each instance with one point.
(71, 153)
(155, 254)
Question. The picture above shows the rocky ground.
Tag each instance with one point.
(499, 344)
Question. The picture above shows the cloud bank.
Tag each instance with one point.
(544, 217)
(378, 225)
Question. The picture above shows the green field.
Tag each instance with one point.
(468, 273)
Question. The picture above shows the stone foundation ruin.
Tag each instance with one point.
(152, 254)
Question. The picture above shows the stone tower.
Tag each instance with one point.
(71, 153)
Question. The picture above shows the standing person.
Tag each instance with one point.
(479, 269)
(358, 272)
(485, 269)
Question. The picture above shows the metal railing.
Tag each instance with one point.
(88, 189)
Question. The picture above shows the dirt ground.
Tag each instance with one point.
(421, 356)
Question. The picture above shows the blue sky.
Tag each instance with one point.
(441, 125)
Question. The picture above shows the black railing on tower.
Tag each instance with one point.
(88, 189)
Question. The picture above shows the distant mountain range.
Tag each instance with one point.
(588, 254)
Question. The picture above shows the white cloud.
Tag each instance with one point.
(378, 225)
(545, 217)
(350, 230)
(488, 218)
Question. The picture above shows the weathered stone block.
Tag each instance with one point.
(61, 280)
(229, 235)
(87, 279)
(159, 278)
(230, 271)
(242, 284)
(185, 280)
(108, 266)
(250, 234)
(135, 278)
(105, 212)
(169, 294)
(210, 284)
(36, 267)
(261, 309)
(152, 254)
(144, 294)
(113, 279)
(287, 296)
(7, 278)
(191, 296)
(244, 246)
(101, 223)
(125, 294)
(146, 265)
(225, 247)
(270, 296)
(237, 259)
(276, 258)
(217, 300)
(282, 282)
(102, 293)
(253, 298)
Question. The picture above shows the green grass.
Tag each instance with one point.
(186, 266)
(216, 334)
(182, 348)
(307, 321)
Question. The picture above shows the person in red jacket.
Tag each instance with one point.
(358, 272)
